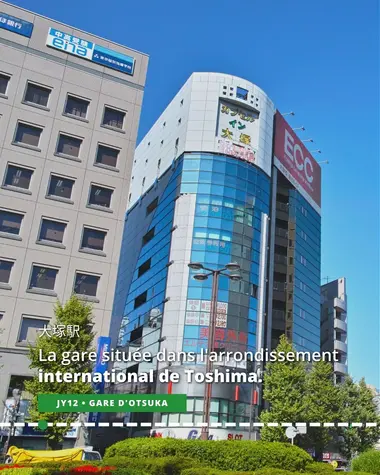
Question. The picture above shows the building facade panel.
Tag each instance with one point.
(199, 193)
(334, 324)
(62, 196)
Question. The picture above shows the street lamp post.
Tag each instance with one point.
(233, 268)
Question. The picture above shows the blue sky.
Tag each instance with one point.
(318, 58)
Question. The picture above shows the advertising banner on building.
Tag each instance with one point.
(238, 132)
(16, 25)
(87, 50)
(195, 433)
(104, 344)
(294, 161)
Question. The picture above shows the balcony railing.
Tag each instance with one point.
(282, 206)
(340, 346)
(340, 304)
(281, 232)
(278, 314)
(280, 259)
(279, 286)
(340, 368)
(340, 325)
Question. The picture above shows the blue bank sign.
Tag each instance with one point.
(16, 25)
(86, 49)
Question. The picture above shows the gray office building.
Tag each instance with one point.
(334, 324)
(70, 105)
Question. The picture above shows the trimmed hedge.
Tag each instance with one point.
(214, 471)
(367, 462)
(16, 471)
(154, 466)
(277, 471)
(72, 468)
(262, 471)
(221, 454)
(319, 467)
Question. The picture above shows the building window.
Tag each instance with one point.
(241, 93)
(37, 95)
(140, 299)
(144, 267)
(93, 239)
(148, 237)
(18, 177)
(4, 81)
(30, 329)
(152, 206)
(28, 134)
(107, 156)
(60, 187)
(68, 145)
(303, 261)
(10, 223)
(100, 196)
(43, 278)
(86, 284)
(52, 231)
(76, 107)
(5, 271)
(113, 118)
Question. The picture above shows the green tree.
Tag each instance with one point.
(357, 406)
(321, 405)
(284, 391)
(74, 312)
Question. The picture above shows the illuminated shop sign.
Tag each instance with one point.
(92, 52)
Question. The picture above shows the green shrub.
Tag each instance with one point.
(276, 471)
(128, 471)
(223, 454)
(15, 471)
(262, 471)
(153, 466)
(319, 467)
(214, 471)
(367, 462)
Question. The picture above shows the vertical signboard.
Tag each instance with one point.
(294, 161)
(104, 344)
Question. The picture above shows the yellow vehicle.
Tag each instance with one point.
(16, 455)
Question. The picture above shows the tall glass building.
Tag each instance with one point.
(202, 191)
(295, 244)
